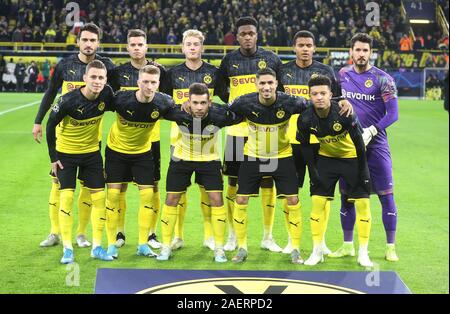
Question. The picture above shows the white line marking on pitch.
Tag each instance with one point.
(20, 107)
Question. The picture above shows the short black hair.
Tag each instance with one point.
(246, 20)
(303, 34)
(362, 37)
(265, 71)
(198, 89)
(91, 28)
(319, 79)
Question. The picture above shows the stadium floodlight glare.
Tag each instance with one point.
(418, 21)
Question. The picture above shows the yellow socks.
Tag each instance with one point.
(122, 211)
(206, 211)
(219, 223)
(112, 214)
(363, 220)
(155, 211)
(145, 213)
(268, 200)
(230, 198)
(295, 224)
(318, 218)
(66, 217)
(168, 219)
(98, 217)
(182, 206)
(240, 224)
(53, 208)
(84, 209)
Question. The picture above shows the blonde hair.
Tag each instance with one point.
(193, 33)
(150, 69)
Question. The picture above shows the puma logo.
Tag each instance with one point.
(52, 204)
(72, 71)
(365, 220)
(289, 75)
(316, 220)
(236, 66)
(111, 209)
(68, 214)
(127, 77)
(256, 114)
(87, 204)
(80, 110)
(165, 222)
(181, 78)
(239, 222)
(222, 220)
(294, 224)
(203, 203)
(130, 112)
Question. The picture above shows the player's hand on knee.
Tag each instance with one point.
(56, 166)
(37, 133)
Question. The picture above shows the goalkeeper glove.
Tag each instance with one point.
(369, 133)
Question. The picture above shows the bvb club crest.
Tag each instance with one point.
(155, 114)
(210, 128)
(314, 75)
(337, 126)
(101, 106)
(280, 114)
(207, 79)
(262, 64)
(368, 83)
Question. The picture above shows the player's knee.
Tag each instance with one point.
(292, 200)
(172, 199)
(242, 200)
(215, 199)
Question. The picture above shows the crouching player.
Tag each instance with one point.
(196, 151)
(77, 148)
(341, 156)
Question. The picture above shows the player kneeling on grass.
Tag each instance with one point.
(77, 148)
(129, 157)
(196, 151)
(341, 156)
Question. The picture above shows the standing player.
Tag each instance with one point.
(373, 94)
(239, 69)
(68, 75)
(124, 77)
(341, 155)
(76, 148)
(294, 77)
(177, 82)
(129, 157)
(196, 152)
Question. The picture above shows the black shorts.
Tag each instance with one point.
(156, 151)
(234, 155)
(125, 168)
(331, 170)
(89, 166)
(208, 173)
(197, 180)
(300, 162)
(282, 171)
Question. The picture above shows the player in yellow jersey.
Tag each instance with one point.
(67, 76)
(177, 83)
(76, 148)
(196, 152)
(239, 69)
(342, 155)
(124, 77)
(128, 154)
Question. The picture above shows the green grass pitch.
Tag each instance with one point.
(420, 149)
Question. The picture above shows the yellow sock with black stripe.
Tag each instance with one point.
(155, 211)
(230, 199)
(268, 200)
(182, 206)
(317, 219)
(363, 220)
(53, 208)
(206, 211)
(84, 209)
(112, 214)
(122, 211)
(145, 214)
(286, 216)
(98, 217)
(240, 224)
(219, 223)
(295, 224)
(168, 220)
(326, 218)
(65, 217)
